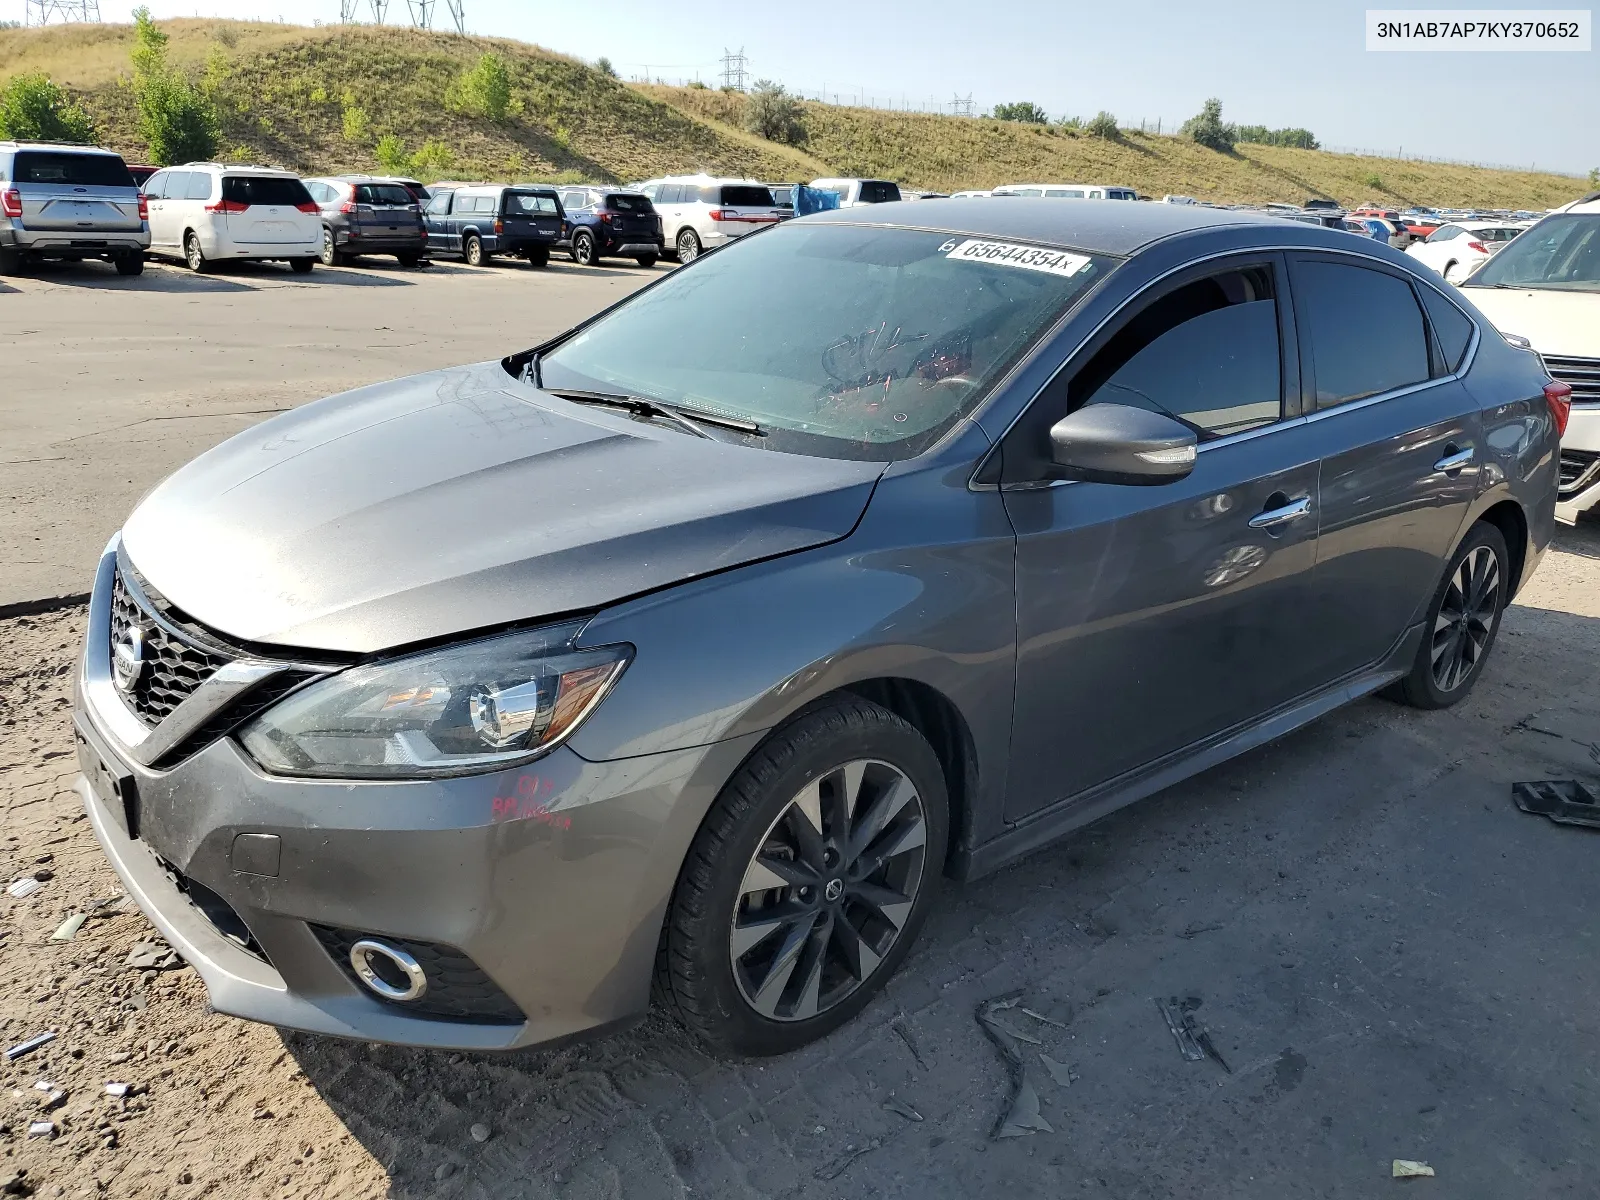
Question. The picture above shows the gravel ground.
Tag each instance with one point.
(1393, 962)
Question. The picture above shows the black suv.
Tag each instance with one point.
(610, 221)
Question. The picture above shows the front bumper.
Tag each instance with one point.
(1581, 441)
(553, 878)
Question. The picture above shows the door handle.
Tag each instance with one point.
(1273, 517)
(1454, 459)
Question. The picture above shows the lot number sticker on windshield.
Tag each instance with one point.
(1009, 254)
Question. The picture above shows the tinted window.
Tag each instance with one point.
(1364, 328)
(623, 202)
(196, 186)
(739, 195)
(1451, 328)
(531, 204)
(876, 191)
(382, 193)
(264, 189)
(1207, 354)
(1445, 232)
(1497, 235)
(71, 170)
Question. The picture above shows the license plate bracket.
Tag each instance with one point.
(117, 789)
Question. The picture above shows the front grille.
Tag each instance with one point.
(174, 669)
(1580, 469)
(219, 914)
(1583, 374)
(458, 989)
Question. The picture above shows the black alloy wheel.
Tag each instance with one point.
(583, 249)
(1462, 622)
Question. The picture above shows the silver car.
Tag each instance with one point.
(69, 202)
(698, 644)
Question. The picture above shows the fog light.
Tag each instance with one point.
(391, 973)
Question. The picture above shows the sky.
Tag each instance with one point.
(1271, 63)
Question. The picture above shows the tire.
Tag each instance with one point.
(472, 251)
(331, 256)
(1457, 636)
(129, 264)
(734, 1000)
(1448, 267)
(647, 261)
(195, 256)
(538, 256)
(409, 260)
(688, 245)
(584, 252)
(302, 266)
(10, 261)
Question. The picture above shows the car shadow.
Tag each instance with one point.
(157, 277)
(1259, 885)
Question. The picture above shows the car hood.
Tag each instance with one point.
(1556, 322)
(461, 500)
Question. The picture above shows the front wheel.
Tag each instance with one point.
(688, 246)
(1462, 622)
(807, 882)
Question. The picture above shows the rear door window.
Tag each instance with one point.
(264, 189)
(383, 194)
(197, 186)
(739, 195)
(1362, 329)
(1452, 329)
(531, 204)
(622, 202)
(71, 170)
(877, 191)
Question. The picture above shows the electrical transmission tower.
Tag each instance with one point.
(380, 9)
(735, 72)
(40, 12)
(421, 13)
(458, 13)
(960, 107)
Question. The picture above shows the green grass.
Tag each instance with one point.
(284, 92)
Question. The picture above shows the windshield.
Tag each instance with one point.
(530, 204)
(873, 343)
(1560, 253)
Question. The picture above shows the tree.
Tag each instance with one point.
(1206, 128)
(1025, 111)
(391, 155)
(32, 106)
(774, 114)
(483, 91)
(1594, 177)
(1104, 125)
(603, 65)
(1298, 139)
(177, 121)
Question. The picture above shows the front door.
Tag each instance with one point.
(1401, 449)
(1150, 618)
(440, 223)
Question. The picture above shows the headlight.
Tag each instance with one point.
(478, 707)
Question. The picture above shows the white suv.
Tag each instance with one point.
(853, 193)
(205, 212)
(699, 212)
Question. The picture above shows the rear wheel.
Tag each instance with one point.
(302, 266)
(1449, 271)
(10, 261)
(330, 256)
(583, 249)
(194, 256)
(1462, 622)
(646, 260)
(807, 882)
(472, 250)
(688, 245)
(129, 264)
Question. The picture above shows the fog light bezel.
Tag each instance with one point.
(361, 963)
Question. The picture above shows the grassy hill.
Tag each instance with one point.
(284, 92)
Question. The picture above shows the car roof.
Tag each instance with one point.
(1099, 226)
(234, 169)
(55, 147)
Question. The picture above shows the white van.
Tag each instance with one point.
(1544, 287)
(205, 212)
(701, 212)
(1068, 191)
(854, 192)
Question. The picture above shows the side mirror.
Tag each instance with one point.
(1116, 443)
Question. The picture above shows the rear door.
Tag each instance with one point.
(386, 212)
(530, 217)
(264, 210)
(1153, 618)
(740, 208)
(1400, 439)
(76, 193)
(632, 217)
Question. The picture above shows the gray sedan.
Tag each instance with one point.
(696, 646)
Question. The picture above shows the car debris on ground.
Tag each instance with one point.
(1564, 801)
(1022, 1116)
(1406, 1168)
(1194, 1042)
(29, 1046)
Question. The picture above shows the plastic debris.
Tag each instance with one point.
(1022, 1116)
(1058, 1071)
(42, 1129)
(24, 887)
(119, 1089)
(29, 1046)
(901, 1108)
(1038, 1016)
(152, 956)
(1194, 1043)
(68, 929)
(1564, 801)
(837, 1167)
(44, 1085)
(1406, 1168)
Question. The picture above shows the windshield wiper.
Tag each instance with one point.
(688, 418)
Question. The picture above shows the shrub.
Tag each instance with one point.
(1025, 111)
(1594, 176)
(434, 158)
(1104, 125)
(1374, 181)
(603, 65)
(483, 91)
(177, 121)
(391, 155)
(695, 83)
(32, 106)
(1206, 128)
(1070, 124)
(774, 114)
(1299, 139)
(354, 120)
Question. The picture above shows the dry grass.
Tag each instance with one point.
(280, 89)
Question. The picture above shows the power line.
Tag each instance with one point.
(40, 12)
(734, 69)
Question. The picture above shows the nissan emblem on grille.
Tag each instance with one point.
(127, 659)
